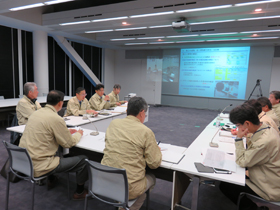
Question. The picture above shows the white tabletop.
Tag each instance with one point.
(194, 154)
(14, 101)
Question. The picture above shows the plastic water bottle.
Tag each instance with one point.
(218, 122)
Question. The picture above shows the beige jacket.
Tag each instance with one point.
(97, 103)
(265, 118)
(276, 109)
(114, 99)
(74, 107)
(273, 116)
(45, 131)
(129, 144)
(25, 108)
(262, 157)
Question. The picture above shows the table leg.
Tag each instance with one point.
(180, 183)
(195, 181)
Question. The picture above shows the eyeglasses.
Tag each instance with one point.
(82, 94)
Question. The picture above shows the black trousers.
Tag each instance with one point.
(232, 191)
(73, 164)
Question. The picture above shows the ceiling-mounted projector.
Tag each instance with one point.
(179, 24)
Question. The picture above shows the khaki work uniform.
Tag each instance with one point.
(97, 103)
(74, 107)
(114, 99)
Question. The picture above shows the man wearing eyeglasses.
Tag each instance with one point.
(79, 105)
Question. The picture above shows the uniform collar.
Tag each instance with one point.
(29, 100)
(259, 132)
(78, 99)
(114, 93)
(50, 107)
(261, 114)
(131, 117)
(276, 105)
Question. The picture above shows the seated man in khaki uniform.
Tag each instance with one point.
(274, 98)
(28, 104)
(267, 108)
(98, 101)
(129, 144)
(114, 96)
(262, 158)
(44, 132)
(79, 105)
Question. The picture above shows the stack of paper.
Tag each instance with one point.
(120, 109)
(171, 157)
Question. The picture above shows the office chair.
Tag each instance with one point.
(255, 197)
(111, 183)
(20, 162)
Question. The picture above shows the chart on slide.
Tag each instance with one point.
(214, 72)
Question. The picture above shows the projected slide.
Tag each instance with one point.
(154, 68)
(214, 72)
(170, 68)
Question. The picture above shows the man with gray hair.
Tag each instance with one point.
(274, 97)
(28, 104)
(114, 96)
(131, 145)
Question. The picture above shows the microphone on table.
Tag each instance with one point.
(94, 133)
(224, 109)
(212, 144)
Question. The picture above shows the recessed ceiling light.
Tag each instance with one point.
(219, 34)
(204, 8)
(222, 40)
(109, 19)
(190, 41)
(127, 29)
(56, 2)
(264, 31)
(74, 23)
(122, 39)
(209, 22)
(157, 37)
(178, 36)
(135, 43)
(152, 14)
(160, 26)
(161, 42)
(256, 2)
(258, 10)
(260, 38)
(99, 31)
(124, 23)
(259, 18)
(255, 34)
(27, 6)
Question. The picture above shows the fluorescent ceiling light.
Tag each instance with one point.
(127, 29)
(190, 41)
(157, 37)
(135, 43)
(204, 8)
(152, 14)
(264, 31)
(100, 31)
(160, 26)
(74, 23)
(260, 38)
(122, 39)
(161, 42)
(209, 22)
(222, 40)
(178, 36)
(27, 6)
(255, 2)
(108, 19)
(219, 34)
(259, 18)
(56, 2)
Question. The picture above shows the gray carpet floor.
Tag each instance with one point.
(178, 126)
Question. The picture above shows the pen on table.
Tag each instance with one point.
(158, 143)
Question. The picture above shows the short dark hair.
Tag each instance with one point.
(54, 97)
(254, 103)
(265, 101)
(220, 86)
(136, 105)
(99, 86)
(243, 113)
(79, 89)
(276, 94)
(117, 86)
(29, 86)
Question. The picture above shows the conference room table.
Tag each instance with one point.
(180, 174)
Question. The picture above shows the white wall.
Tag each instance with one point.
(109, 70)
(275, 75)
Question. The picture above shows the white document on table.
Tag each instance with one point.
(219, 159)
(226, 134)
(227, 139)
(164, 146)
(171, 157)
(120, 109)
